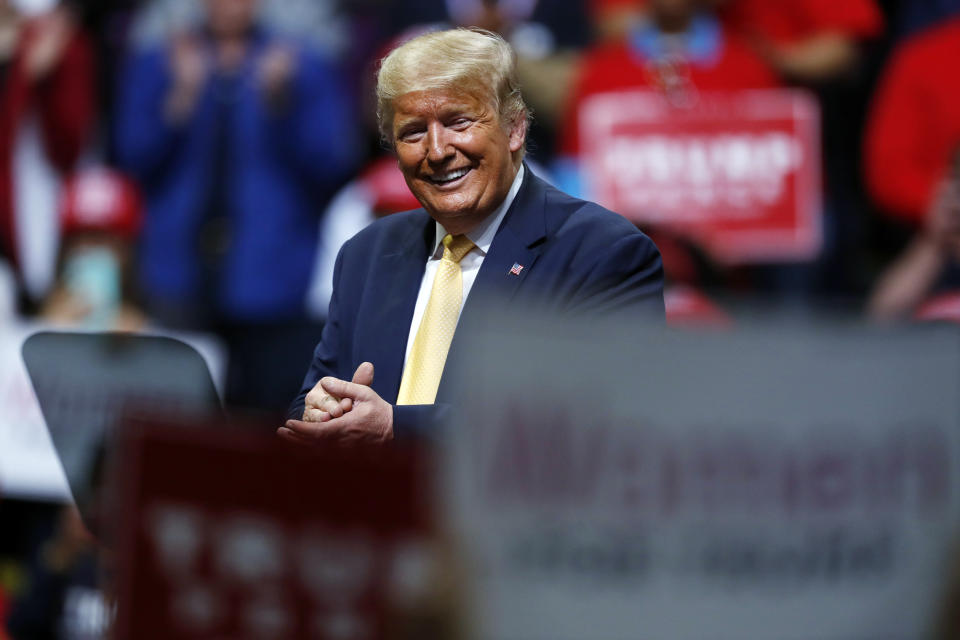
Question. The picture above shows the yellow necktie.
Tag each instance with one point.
(421, 376)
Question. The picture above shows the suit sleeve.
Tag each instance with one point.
(419, 421)
(626, 280)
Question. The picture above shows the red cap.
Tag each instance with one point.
(388, 187)
(101, 199)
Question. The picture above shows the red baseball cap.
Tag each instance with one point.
(101, 199)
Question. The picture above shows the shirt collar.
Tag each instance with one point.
(482, 236)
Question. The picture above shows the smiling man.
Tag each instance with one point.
(449, 104)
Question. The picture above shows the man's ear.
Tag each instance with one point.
(518, 133)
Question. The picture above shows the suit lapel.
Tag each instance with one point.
(395, 283)
(515, 245)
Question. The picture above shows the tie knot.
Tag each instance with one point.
(455, 247)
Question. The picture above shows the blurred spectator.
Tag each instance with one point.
(614, 19)
(101, 216)
(318, 22)
(46, 116)
(806, 40)
(378, 191)
(236, 137)
(679, 49)
(820, 44)
(535, 28)
(915, 123)
(929, 265)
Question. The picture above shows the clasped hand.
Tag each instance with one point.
(337, 411)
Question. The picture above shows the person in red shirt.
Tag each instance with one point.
(914, 124)
(679, 50)
(805, 40)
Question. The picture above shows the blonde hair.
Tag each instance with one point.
(474, 60)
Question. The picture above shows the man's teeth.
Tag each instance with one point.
(453, 175)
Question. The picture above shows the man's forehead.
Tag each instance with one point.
(425, 101)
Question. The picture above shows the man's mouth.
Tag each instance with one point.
(442, 179)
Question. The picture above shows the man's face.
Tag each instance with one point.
(455, 154)
(231, 17)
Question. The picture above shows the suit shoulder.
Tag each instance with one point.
(586, 220)
(387, 230)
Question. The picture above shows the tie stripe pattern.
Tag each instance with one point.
(421, 376)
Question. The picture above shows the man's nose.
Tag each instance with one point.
(438, 146)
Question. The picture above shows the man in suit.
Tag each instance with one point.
(450, 105)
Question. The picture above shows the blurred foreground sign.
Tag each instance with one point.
(775, 484)
(739, 172)
(226, 533)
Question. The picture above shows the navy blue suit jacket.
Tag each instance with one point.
(576, 257)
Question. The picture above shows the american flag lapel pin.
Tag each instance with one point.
(516, 269)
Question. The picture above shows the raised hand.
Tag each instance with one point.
(344, 412)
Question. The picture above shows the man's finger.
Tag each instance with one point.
(312, 414)
(343, 389)
(364, 374)
(293, 437)
(333, 406)
(300, 427)
(322, 401)
(355, 427)
(300, 432)
(335, 429)
(309, 431)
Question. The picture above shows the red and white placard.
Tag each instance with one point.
(739, 171)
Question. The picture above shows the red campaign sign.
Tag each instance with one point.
(738, 172)
(228, 533)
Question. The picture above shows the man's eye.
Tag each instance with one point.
(411, 135)
(460, 123)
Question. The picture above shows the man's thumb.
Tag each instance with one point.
(364, 374)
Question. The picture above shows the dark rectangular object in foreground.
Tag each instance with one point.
(229, 533)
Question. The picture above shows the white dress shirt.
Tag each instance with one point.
(482, 238)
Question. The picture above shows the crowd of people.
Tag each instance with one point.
(197, 165)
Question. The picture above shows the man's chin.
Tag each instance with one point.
(456, 221)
